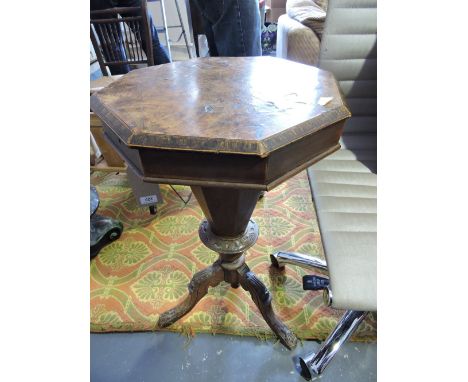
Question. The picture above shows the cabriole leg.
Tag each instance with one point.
(198, 288)
(262, 298)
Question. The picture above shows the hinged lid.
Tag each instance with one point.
(242, 105)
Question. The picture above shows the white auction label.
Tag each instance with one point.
(149, 199)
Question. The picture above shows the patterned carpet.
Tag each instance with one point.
(147, 270)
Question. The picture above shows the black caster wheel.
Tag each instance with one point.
(114, 234)
(104, 230)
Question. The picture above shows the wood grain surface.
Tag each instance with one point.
(241, 105)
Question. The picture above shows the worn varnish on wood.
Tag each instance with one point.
(113, 162)
(241, 122)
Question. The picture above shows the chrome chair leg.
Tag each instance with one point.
(279, 259)
(317, 362)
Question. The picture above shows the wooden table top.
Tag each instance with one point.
(102, 82)
(242, 105)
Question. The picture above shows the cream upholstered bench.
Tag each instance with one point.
(344, 185)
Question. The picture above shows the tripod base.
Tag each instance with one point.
(230, 267)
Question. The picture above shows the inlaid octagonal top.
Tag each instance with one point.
(243, 105)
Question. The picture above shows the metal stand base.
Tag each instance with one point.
(317, 362)
(230, 267)
(280, 259)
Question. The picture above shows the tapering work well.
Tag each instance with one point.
(229, 128)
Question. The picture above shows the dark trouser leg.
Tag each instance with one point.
(160, 55)
(210, 38)
(235, 25)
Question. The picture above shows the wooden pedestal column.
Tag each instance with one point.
(229, 231)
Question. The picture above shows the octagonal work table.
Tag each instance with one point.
(229, 128)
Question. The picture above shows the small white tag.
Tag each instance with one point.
(324, 100)
(150, 199)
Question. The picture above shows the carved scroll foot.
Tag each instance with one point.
(198, 287)
(262, 298)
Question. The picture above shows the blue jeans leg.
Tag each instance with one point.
(160, 55)
(235, 25)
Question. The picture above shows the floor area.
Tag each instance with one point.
(170, 357)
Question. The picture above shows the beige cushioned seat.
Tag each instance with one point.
(344, 185)
(345, 196)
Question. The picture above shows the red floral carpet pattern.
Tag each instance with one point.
(147, 270)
